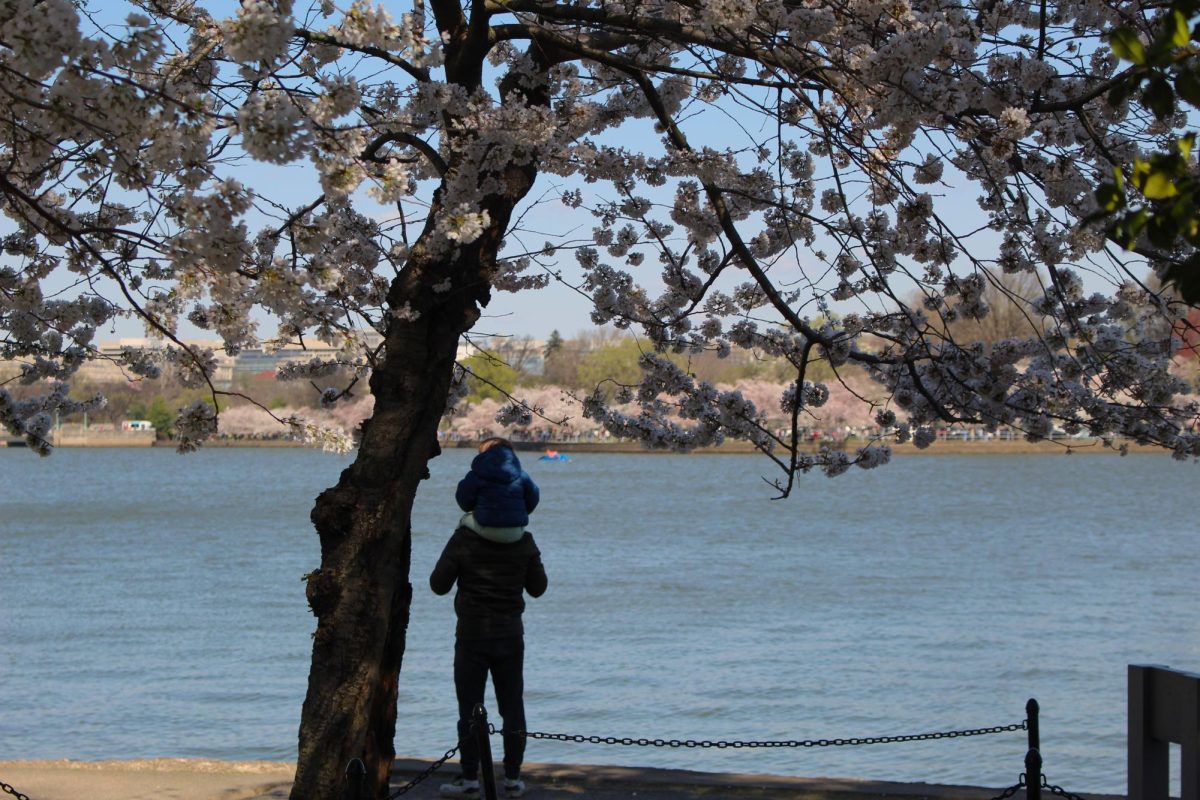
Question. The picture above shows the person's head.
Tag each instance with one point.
(494, 441)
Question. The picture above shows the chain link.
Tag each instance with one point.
(721, 745)
(13, 792)
(1058, 790)
(1010, 791)
(423, 776)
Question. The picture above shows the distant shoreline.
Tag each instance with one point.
(945, 447)
(954, 447)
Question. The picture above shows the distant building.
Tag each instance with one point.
(252, 360)
(108, 368)
(255, 360)
(523, 355)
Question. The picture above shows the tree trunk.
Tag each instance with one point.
(361, 594)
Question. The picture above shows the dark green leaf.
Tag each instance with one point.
(1126, 229)
(1139, 173)
(1185, 145)
(1161, 230)
(1159, 97)
(1159, 186)
(1170, 164)
(1185, 278)
(1187, 86)
(1135, 222)
(1117, 232)
(1121, 91)
(1126, 44)
(1181, 209)
(1171, 36)
(1110, 197)
(1175, 32)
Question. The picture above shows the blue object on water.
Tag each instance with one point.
(555, 457)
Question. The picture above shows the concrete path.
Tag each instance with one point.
(571, 782)
(192, 779)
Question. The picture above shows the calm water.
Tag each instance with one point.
(152, 605)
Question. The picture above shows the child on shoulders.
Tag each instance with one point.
(496, 493)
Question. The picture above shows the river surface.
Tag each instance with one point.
(152, 605)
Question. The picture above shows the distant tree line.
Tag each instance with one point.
(570, 368)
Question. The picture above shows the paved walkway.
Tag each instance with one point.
(193, 779)
(571, 782)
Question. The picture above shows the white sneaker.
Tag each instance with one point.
(514, 788)
(460, 788)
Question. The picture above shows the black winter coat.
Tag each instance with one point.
(491, 578)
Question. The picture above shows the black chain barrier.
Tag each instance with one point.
(1022, 783)
(1058, 790)
(1010, 791)
(721, 745)
(13, 792)
(1044, 784)
(425, 774)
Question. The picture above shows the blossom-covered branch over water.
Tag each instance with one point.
(802, 237)
(836, 185)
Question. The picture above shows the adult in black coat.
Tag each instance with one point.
(492, 578)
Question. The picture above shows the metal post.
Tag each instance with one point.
(356, 779)
(1033, 775)
(1031, 719)
(487, 771)
(1164, 707)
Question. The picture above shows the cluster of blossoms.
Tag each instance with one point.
(370, 25)
(464, 226)
(331, 440)
(259, 33)
(33, 418)
(308, 370)
(273, 128)
(195, 424)
(247, 421)
(802, 244)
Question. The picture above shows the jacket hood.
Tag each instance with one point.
(498, 465)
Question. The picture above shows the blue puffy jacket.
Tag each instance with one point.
(497, 490)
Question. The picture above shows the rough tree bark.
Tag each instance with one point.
(361, 593)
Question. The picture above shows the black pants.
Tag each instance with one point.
(505, 659)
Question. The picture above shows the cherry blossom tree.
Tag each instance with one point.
(254, 422)
(774, 175)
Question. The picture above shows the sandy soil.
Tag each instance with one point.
(191, 779)
(156, 779)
